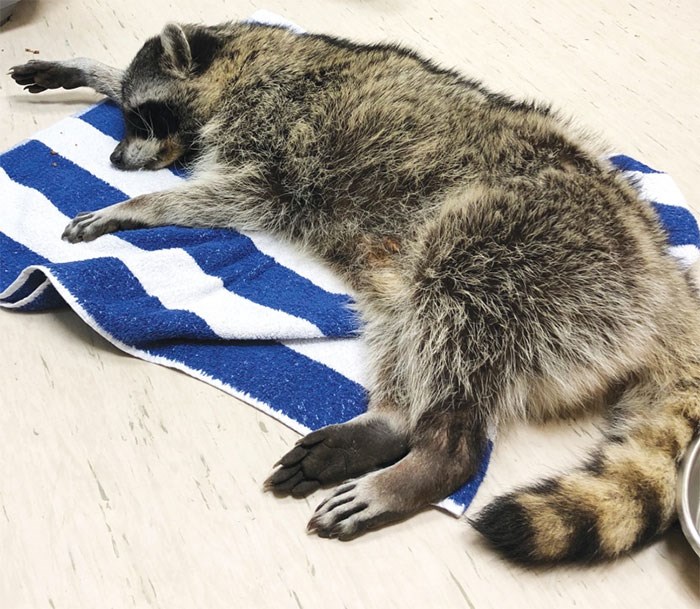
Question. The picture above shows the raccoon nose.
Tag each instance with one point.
(117, 157)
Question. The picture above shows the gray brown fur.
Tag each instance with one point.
(503, 270)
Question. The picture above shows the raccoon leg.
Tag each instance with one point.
(37, 76)
(336, 453)
(444, 453)
(373, 440)
(414, 370)
(194, 203)
(89, 225)
(623, 497)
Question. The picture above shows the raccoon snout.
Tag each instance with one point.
(135, 153)
(117, 158)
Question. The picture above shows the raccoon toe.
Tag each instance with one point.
(25, 78)
(26, 75)
(23, 71)
(86, 226)
(355, 508)
(290, 480)
(302, 471)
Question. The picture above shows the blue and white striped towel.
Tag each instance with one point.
(242, 312)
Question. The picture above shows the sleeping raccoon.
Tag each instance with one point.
(502, 269)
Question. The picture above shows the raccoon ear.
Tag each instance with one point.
(176, 49)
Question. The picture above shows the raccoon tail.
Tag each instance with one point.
(620, 499)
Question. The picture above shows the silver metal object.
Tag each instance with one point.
(688, 499)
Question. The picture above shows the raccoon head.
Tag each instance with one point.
(161, 114)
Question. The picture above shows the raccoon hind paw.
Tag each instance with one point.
(333, 454)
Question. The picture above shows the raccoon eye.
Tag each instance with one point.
(152, 119)
(135, 125)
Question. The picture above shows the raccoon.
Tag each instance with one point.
(503, 270)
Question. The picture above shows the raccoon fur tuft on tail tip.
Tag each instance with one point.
(506, 526)
(526, 538)
(503, 271)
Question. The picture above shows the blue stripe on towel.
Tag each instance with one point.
(222, 253)
(287, 381)
(70, 188)
(679, 224)
(44, 300)
(243, 268)
(15, 258)
(105, 117)
(116, 300)
(29, 286)
(626, 163)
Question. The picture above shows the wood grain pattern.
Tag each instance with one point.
(124, 484)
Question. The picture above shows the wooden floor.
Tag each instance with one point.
(124, 484)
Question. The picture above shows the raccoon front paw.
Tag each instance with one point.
(37, 76)
(354, 508)
(89, 225)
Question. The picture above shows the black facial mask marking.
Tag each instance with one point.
(151, 119)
